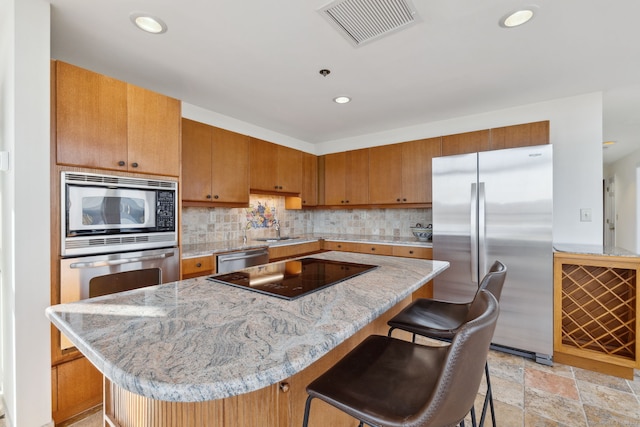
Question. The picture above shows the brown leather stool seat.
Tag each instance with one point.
(441, 319)
(390, 382)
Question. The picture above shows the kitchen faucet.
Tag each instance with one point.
(244, 237)
(276, 225)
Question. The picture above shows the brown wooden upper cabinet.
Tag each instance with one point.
(401, 173)
(523, 135)
(275, 168)
(346, 178)
(105, 123)
(215, 166)
(309, 193)
(468, 142)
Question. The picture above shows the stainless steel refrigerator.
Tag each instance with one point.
(498, 205)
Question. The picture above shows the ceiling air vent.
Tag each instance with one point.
(362, 21)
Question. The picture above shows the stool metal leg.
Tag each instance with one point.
(488, 400)
(307, 408)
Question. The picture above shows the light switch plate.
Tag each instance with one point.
(585, 215)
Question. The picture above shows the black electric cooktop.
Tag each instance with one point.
(292, 279)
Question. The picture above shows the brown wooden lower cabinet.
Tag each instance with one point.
(596, 313)
(77, 387)
(280, 404)
(277, 253)
(425, 291)
(198, 266)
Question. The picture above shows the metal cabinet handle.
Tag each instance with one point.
(134, 164)
(199, 264)
(121, 163)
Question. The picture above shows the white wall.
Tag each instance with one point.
(625, 172)
(25, 205)
(576, 135)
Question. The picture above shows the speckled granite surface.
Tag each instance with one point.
(593, 250)
(196, 340)
(200, 249)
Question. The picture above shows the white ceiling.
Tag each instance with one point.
(258, 61)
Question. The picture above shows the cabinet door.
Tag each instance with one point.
(385, 174)
(309, 193)
(335, 165)
(230, 174)
(196, 161)
(289, 170)
(416, 169)
(262, 165)
(77, 387)
(91, 119)
(520, 135)
(153, 132)
(357, 177)
(469, 142)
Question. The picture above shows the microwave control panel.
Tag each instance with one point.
(165, 214)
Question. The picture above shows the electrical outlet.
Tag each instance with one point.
(585, 215)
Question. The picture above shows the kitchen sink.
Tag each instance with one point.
(274, 239)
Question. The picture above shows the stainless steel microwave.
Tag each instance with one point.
(106, 214)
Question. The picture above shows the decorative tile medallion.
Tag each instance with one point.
(261, 215)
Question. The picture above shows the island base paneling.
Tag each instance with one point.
(280, 405)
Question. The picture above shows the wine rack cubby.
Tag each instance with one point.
(595, 310)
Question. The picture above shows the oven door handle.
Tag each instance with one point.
(110, 262)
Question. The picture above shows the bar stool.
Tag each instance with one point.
(390, 382)
(441, 319)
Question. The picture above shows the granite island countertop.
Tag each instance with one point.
(196, 340)
(209, 248)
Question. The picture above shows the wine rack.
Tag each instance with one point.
(595, 309)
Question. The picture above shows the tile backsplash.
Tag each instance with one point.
(201, 225)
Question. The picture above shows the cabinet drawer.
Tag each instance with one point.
(413, 252)
(340, 246)
(198, 266)
(278, 253)
(368, 248)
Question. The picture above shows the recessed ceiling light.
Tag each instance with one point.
(517, 18)
(148, 23)
(341, 99)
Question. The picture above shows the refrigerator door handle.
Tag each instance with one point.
(473, 234)
(482, 232)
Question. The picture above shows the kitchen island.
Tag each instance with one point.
(196, 352)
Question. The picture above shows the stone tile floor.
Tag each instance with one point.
(527, 394)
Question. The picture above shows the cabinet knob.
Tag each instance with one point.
(199, 265)
(404, 200)
(347, 201)
(275, 187)
(373, 249)
(341, 201)
(216, 197)
(397, 200)
(134, 164)
(208, 196)
(339, 246)
(284, 387)
(280, 187)
(411, 252)
(121, 163)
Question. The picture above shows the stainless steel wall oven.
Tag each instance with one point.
(118, 234)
